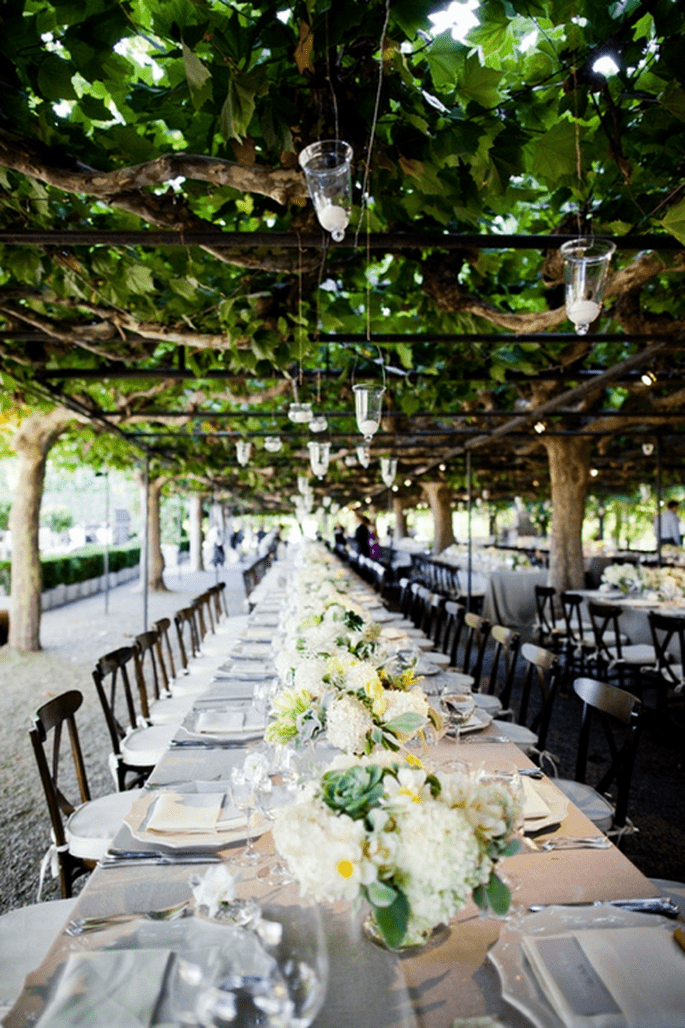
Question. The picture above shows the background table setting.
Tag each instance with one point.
(194, 917)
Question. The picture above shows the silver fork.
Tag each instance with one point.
(81, 925)
(569, 842)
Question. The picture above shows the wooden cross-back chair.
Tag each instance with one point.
(136, 746)
(82, 828)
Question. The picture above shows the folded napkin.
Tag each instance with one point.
(534, 806)
(611, 977)
(220, 722)
(186, 812)
(106, 988)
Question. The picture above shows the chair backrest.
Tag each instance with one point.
(453, 626)
(620, 716)
(406, 596)
(187, 633)
(218, 594)
(50, 720)
(604, 618)
(112, 676)
(434, 618)
(145, 662)
(549, 631)
(477, 633)
(572, 608)
(665, 629)
(543, 668)
(164, 647)
(507, 642)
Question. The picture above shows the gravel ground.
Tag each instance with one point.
(75, 636)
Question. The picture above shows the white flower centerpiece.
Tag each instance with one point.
(415, 845)
(626, 577)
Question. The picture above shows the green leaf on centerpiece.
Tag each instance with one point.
(407, 722)
(392, 921)
(381, 895)
(498, 895)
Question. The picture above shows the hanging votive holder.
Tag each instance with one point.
(388, 470)
(586, 266)
(302, 484)
(243, 449)
(327, 167)
(272, 443)
(368, 404)
(319, 456)
(363, 455)
(300, 413)
(318, 424)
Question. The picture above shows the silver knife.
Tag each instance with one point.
(651, 905)
(133, 857)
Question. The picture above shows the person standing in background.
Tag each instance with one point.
(361, 536)
(671, 534)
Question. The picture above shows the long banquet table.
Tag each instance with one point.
(369, 987)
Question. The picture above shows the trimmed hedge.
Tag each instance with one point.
(88, 562)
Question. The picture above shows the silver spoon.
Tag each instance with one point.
(80, 925)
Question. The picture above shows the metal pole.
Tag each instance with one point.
(106, 542)
(146, 539)
(470, 534)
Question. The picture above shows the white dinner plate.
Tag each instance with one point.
(230, 829)
(519, 985)
(479, 720)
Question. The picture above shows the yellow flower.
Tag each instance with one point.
(413, 760)
(345, 868)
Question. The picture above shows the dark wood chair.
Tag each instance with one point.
(158, 705)
(452, 630)
(667, 676)
(502, 672)
(188, 635)
(165, 652)
(535, 701)
(136, 746)
(82, 828)
(619, 715)
(550, 633)
(613, 656)
(477, 634)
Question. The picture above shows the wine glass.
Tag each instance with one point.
(272, 972)
(459, 707)
(275, 790)
(243, 785)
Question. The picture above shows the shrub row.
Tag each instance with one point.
(88, 562)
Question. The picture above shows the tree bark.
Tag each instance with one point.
(32, 444)
(440, 499)
(400, 518)
(569, 467)
(155, 557)
(195, 532)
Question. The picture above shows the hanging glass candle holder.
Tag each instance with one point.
(243, 449)
(368, 404)
(327, 168)
(319, 456)
(388, 470)
(272, 443)
(302, 484)
(363, 455)
(586, 266)
(318, 424)
(300, 413)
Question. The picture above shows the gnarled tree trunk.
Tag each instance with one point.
(32, 444)
(440, 499)
(569, 467)
(155, 557)
(400, 518)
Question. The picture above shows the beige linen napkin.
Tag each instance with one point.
(220, 722)
(611, 977)
(107, 988)
(176, 812)
(534, 806)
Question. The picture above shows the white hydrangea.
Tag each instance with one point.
(400, 702)
(347, 723)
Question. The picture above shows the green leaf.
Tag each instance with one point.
(498, 895)
(407, 722)
(237, 109)
(673, 100)
(554, 153)
(392, 921)
(54, 79)
(405, 355)
(410, 403)
(199, 78)
(445, 58)
(479, 83)
(381, 895)
(139, 279)
(674, 222)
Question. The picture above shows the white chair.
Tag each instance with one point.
(82, 832)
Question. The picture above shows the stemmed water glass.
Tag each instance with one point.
(244, 782)
(459, 707)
